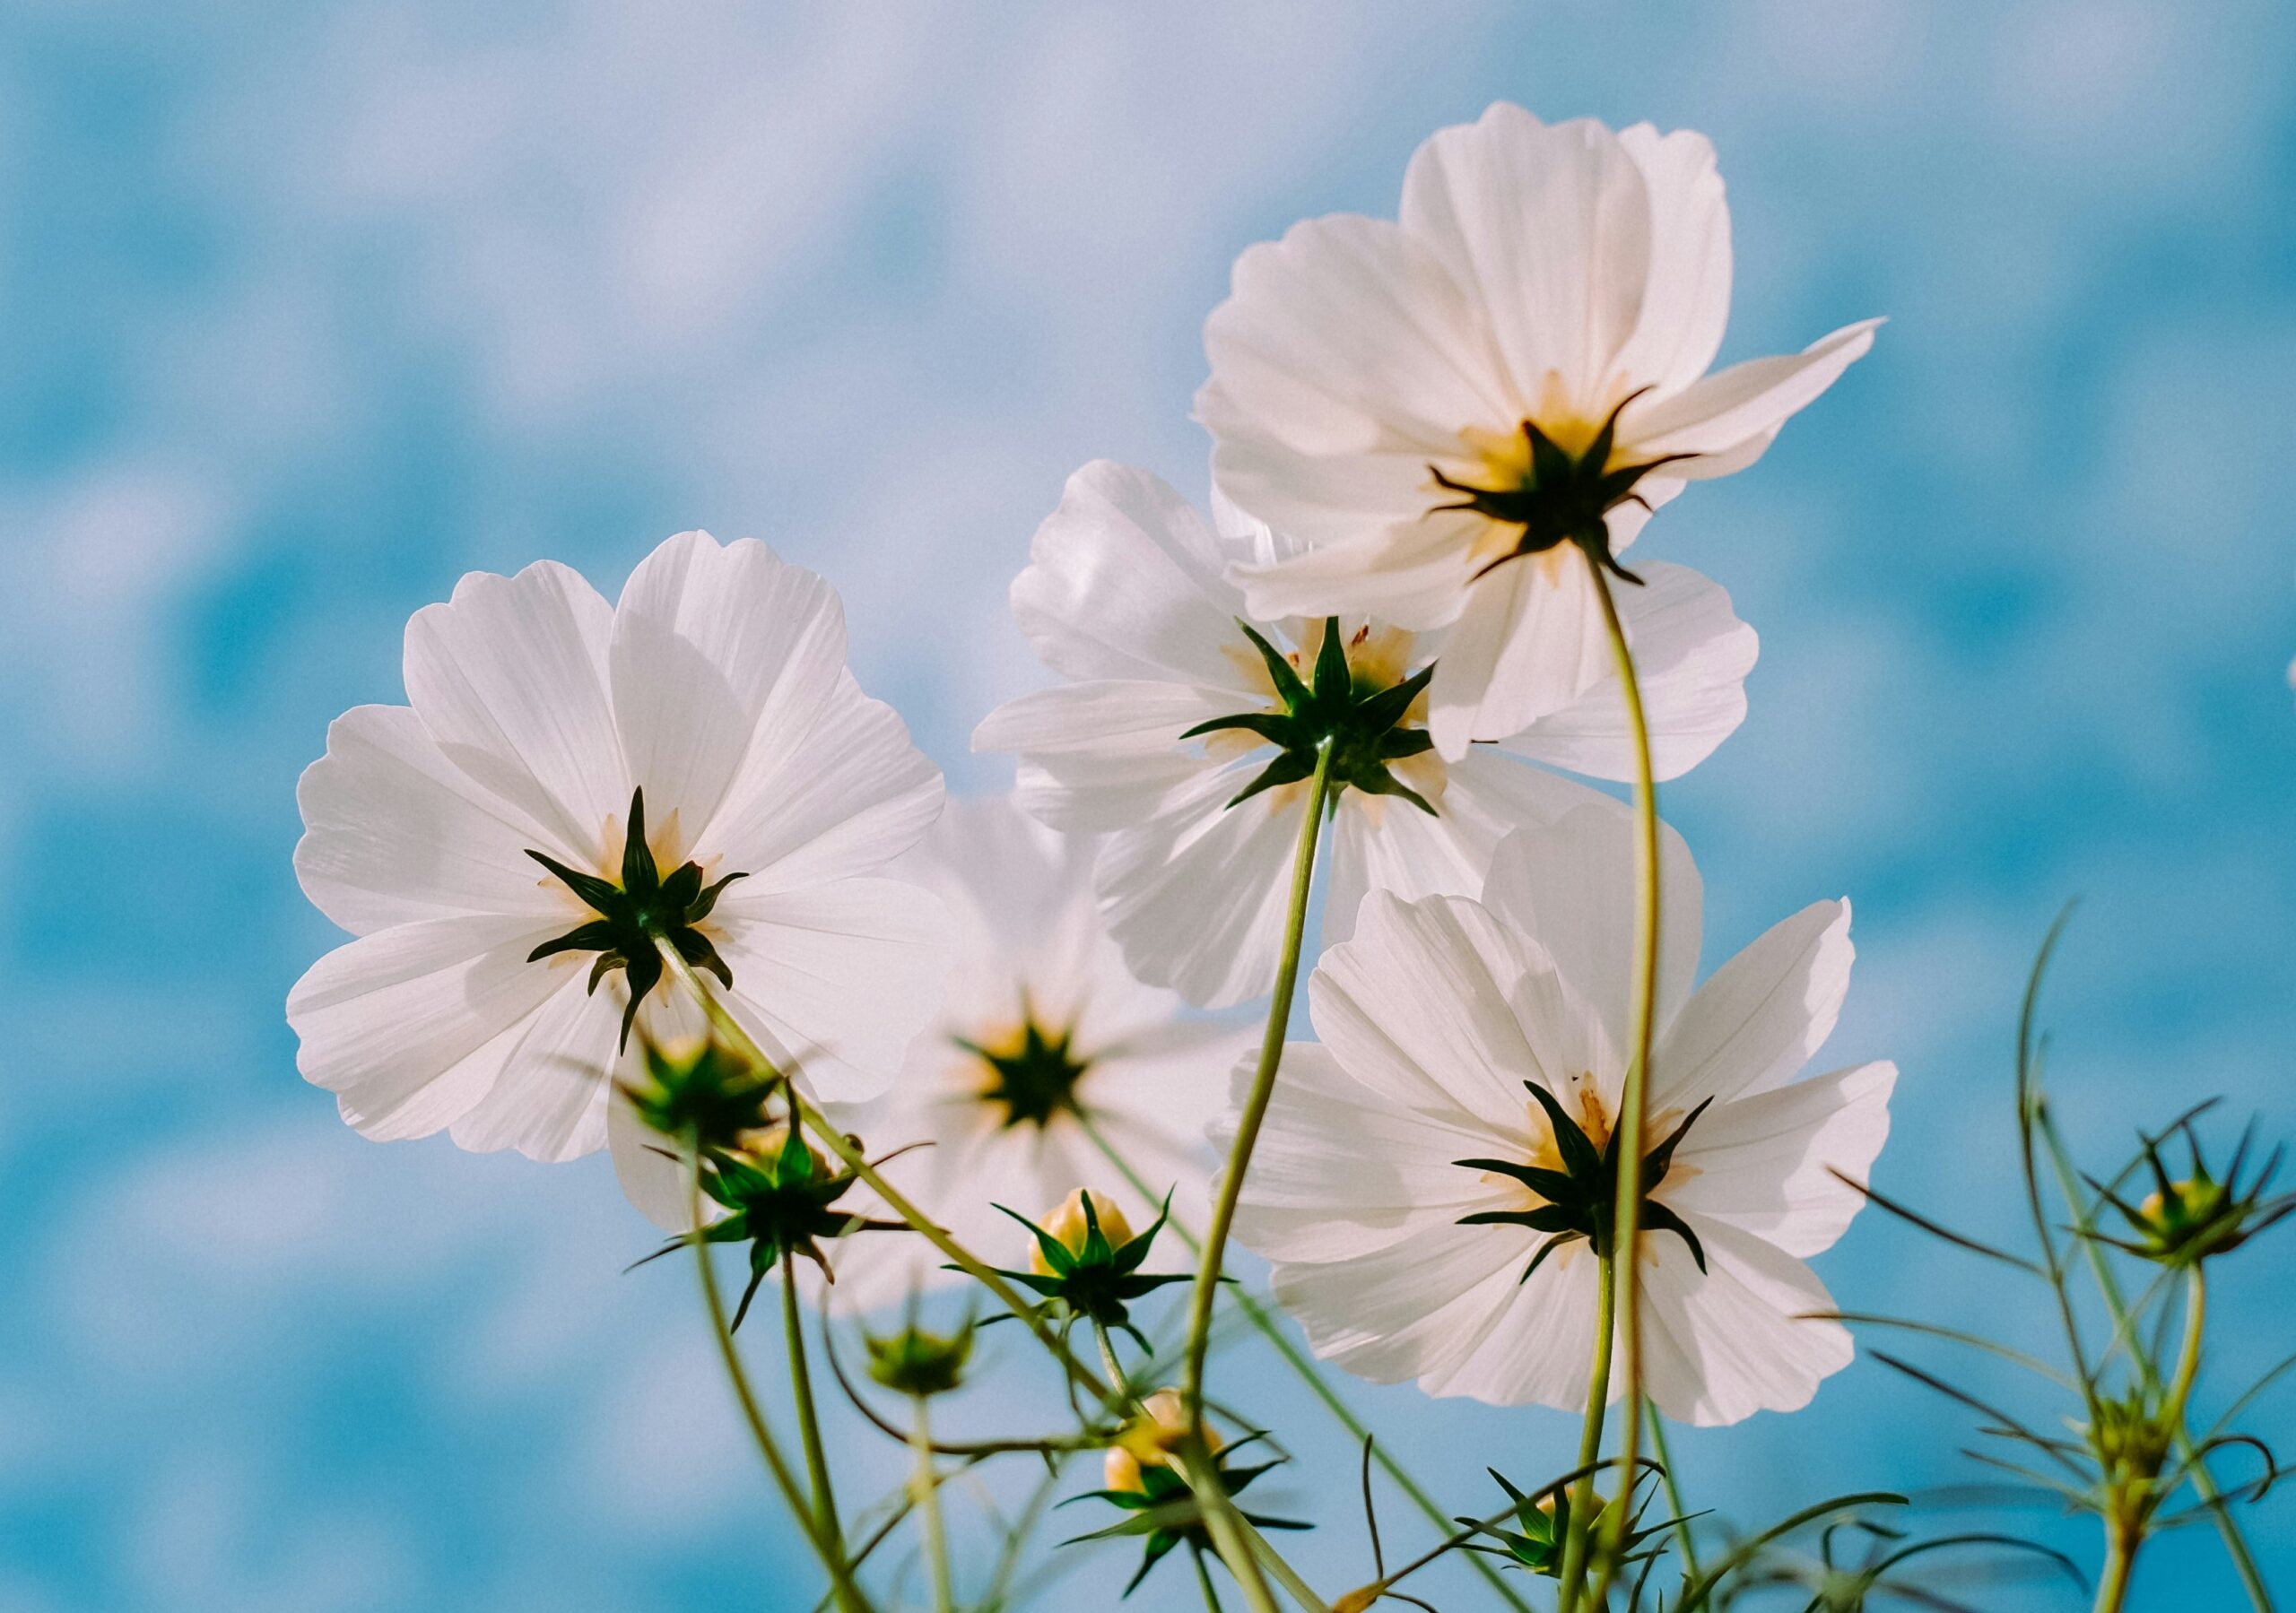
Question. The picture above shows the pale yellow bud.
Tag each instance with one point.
(1066, 1224)
(1153, 1437)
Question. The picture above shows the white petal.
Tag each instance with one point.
(1542, 1347)
(717, 651)
(510, 677)
(842, 797)
(393, 832)
(1104, 755)
(1531, 642)
(1686, 299)
(1340, 1171)
(1760, 1016)
(1692, 656)
(650, 1179)
(1413, 573)
(1196, 896)
(550, 1101)
(410, 1027)
(1773, 1163)
(1415, 1309)
(1721, 412)
(1572, 887)
(1550, 228)
(835, 979)
(1124, 581)
(1439, 1007)
(1720, 1346)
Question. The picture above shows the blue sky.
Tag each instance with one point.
(306, 310)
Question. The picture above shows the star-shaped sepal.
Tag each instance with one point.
(1542, 1526)
(1098, 1276)
(1562, 497)
(2192, 1218)
(1362, 726)
(780, 1199)
(1164, 1513)
(1579, 1201)
(702, 1091)
(636, 915)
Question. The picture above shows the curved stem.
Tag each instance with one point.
(1117, 1380)
(2189, 1359)
(1203, 1578)
(1305, 1368)
(925, 1493)
(848, 1594)
(1590, 1441)
(801, 1387)
(2113, 1585)
(1219, 1516)
(1683, 1541)
(1626, 1216)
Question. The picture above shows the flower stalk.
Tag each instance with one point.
(1633, 1097)
(1225, 1527)
(925, 1494)
(809, 1425)
(1590, 1437)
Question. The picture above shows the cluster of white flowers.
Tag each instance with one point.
(1433, 438)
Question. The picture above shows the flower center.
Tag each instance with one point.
(637, 916)
(1356, 701)
(1573, 1177)
(1552, 484)
(1033, 1073)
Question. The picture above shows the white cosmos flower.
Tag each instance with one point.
(1369, 377)
(1004, 1112)
(1126, 597)
(538, 712)
(1435, 1017)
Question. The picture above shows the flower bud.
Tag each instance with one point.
(1067, 1225)
(1151, 1438)
(914, 1362)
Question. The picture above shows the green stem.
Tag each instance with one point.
(2113, 1585)
(2189, 1359)
(1271, 1329)
(1626, 1217)
(809, 1426)
(2203, 1482)
(925, 1492)
(1117, 1380)
(1590, 1441)
(1203, 1578)
(1218, 1513)
(1683, 1540)
(848, 1594)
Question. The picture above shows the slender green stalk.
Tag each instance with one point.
(925, 1494)
(848, 1594)
(1117, 1379)
(1304, 1367)
(1590, 1441)
(2113, 1585)
(809, 1425)
(2203, 1482)
(1626, 1216)
(1226, 1527)
(2189, 1359)
(1683, 1541)
(1203, 1578)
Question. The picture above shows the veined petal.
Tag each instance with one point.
(1124, 581)
(1724, 1344)
(1686, 299)
(835, 980)
(1692, 656)
(842, 797)
(410, 1027)
(1196, 896)
(1550, 227)
(1415, 1309)
(393, 832)
(717, 650)
(1572, 887)
(1439, 1007)
(1413, 573)
(1720, 413)
(1530, 642)
(550, 1101)
(510, 677)
(1130, 718)
(1767, 1164)
(1760, 1016)
(1540, 1348)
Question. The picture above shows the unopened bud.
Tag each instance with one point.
(1068, 1226)
(1153, 1437)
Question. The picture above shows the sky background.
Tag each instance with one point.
(305, 310)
